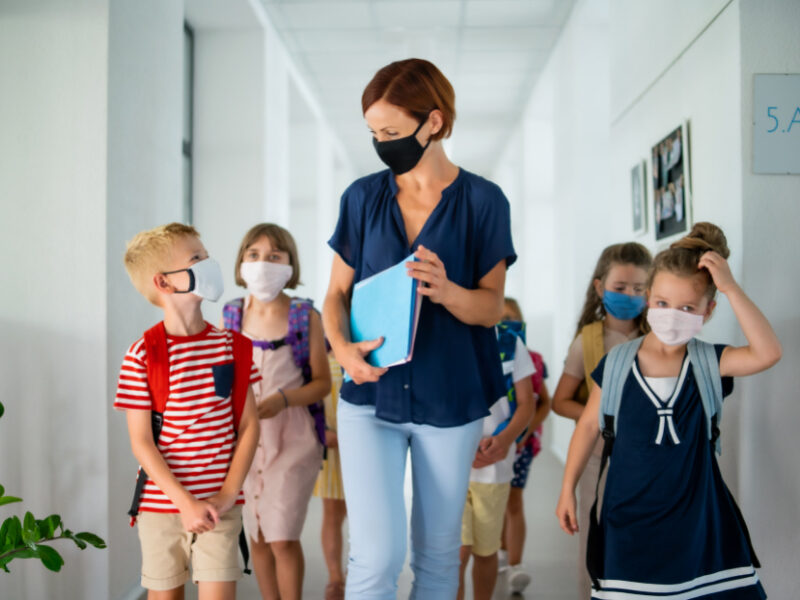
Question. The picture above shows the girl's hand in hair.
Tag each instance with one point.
(720, 271)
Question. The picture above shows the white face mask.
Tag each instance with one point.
(674, 327)
(265, 280)
(205, 279)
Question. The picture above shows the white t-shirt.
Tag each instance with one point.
(503, 470)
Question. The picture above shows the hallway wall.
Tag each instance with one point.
(623, 75)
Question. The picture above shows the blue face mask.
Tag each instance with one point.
(623, 306)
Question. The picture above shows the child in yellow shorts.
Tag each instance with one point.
(490, 479)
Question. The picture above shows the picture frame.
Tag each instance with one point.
(639, 199)
(671, 200)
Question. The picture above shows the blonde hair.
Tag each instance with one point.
(682, 257)
(280, 239)
(629, 253)
(149, 252)
(514, 306)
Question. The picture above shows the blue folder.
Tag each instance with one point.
(387, 305)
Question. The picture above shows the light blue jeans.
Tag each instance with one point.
(373, 454)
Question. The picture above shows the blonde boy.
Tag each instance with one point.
(190, 506)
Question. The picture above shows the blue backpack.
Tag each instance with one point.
(297, 339)
(508, 332)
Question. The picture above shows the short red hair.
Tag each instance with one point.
(418, 87)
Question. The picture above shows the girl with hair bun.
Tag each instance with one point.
(669, 526)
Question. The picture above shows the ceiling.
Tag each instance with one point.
(491, 50)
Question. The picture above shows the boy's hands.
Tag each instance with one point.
(565, 511)
(490, 450)
(719, 269)
(198, 516)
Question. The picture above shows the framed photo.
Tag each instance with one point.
(671, 201)
(638, 202)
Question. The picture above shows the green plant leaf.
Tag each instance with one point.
(13, 533)
(49, 525)
(9, 500)
(2, 491)
(91, 538)
(30, 530)
(2, 409)
(50, 558)
(78, 542)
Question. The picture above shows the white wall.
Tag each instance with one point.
(53, 379)
(623, 74)
(145, 92)
(229, 145)
(769, 476)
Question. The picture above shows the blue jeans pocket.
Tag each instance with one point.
(223, 379)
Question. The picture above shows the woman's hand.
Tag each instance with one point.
(720, 271)
(271, 406)
(565, 511)
(429, 270)
(351, 357)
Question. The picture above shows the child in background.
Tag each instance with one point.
(493, 467)
(329, 488)
(190, 506)
(669, 527)
(289, 352)
(510, 556)
(611, 315)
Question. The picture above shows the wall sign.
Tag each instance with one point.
(776, 124)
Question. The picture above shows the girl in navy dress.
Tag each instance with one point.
(457, 224)
(669, 528)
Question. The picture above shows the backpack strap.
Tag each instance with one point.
(243, 364)
(232, 314)
(615, 372)
(299, 326)
(593, 350)
(157, 363)
(299, 315)
(703, 357)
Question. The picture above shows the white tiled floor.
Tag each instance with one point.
(549, 554)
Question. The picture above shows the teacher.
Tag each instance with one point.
(457, 224)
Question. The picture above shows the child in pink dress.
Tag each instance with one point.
(289, 454)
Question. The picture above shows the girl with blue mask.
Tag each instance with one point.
(612, 314)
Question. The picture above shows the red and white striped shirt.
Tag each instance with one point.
(197, 437)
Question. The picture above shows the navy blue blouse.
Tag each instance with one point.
(455, 374)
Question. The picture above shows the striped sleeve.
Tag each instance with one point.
(255, 376)
(132, 389)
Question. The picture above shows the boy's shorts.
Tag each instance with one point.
(482, 525)
(167, 550)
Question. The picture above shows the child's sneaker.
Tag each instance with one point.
(502, 560)
(518, 579)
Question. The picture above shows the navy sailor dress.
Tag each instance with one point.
(669, 527)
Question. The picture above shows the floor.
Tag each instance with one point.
(549, 553)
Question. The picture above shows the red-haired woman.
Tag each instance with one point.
(457, 224)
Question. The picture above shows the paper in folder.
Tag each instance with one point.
(387, 305)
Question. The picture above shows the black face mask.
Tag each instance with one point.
(403, 154)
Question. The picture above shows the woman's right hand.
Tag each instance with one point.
(565, 511)
(351, 357)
